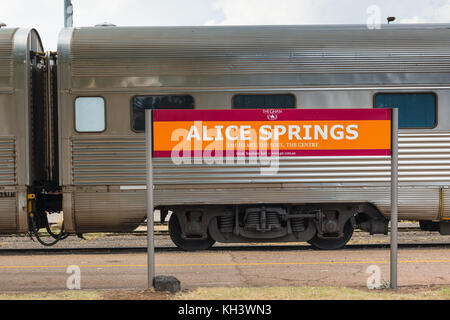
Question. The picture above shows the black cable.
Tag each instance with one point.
(61, 236)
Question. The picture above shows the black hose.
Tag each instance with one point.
(61, 236)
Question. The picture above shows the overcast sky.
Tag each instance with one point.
(47, 15)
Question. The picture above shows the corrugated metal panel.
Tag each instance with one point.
(414, 203)
(108, 161)
(446, 203)
(8, 215)
(164, 51)
(112, 211)
(121, 161)
(7, 161)
(6, 56)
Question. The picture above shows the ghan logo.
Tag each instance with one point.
(272, 114)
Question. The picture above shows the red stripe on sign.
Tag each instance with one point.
(273, 115)
(282, 153)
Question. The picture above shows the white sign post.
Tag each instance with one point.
(150, 204)
(394, 198)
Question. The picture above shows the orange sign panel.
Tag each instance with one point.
(295, 133)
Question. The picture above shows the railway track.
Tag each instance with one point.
(135, 242)
(272, 247)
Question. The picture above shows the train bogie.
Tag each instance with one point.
(325, 226)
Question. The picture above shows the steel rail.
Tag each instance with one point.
(161, 249)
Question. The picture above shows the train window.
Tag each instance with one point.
(416, 110)
(141, 103)
(264, 101)
(90, 114)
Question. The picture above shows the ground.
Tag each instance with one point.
(288, 272)
(272, 293)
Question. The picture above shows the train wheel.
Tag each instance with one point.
(333, 244)
(187, 245)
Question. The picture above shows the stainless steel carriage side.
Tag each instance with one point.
(17, 64)
(114, 71)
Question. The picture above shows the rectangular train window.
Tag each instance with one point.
(90, 114)
(416, 110)
(264, 101)
(141, 103)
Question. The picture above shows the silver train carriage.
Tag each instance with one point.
(108, 76)
(24, 155)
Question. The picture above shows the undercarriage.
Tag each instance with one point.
(324, 226)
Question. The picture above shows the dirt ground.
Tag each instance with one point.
(228, 274)
(433, 292)
(295, 273)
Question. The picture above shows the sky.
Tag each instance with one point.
(47, 15)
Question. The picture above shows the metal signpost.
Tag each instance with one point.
(394, 198)
(161, 145)
(150, 204)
